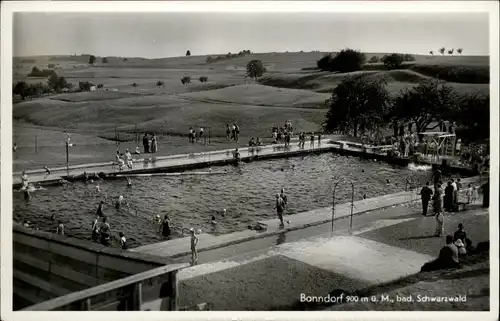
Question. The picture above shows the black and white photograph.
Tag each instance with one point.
(244, 157)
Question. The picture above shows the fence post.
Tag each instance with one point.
(174, 299)
(137, 297)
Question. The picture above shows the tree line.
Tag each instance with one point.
(360, 105)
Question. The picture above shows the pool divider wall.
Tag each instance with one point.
(48, 265)
(353, 149)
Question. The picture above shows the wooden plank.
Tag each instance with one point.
(30, 240)
(123, 265)
(115, 286)
(29, 292)
(75, 253)
(74, 264)
(40, 284)
(77, 277)
(33, 261)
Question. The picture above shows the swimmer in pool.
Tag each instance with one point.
(223, 212)
(97, 188)
(99, 209)
(119, 202)
(129, 182)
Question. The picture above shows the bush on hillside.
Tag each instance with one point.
(255, 69)
(242, 53)
(35, 72)
(100, 86)
(374, 59)
(91, 59)
(57, 83)
(393, 61)
(104, 60)
(203, 79)
(347, 60)
(358, 105)
(408, 57)
(85, 85)
(325, 62)
(460, 74)
(188, 53)
(160, 83)
(30, 90)
(186, 80)
(51, 66)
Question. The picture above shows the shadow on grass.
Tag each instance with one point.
(417, 237)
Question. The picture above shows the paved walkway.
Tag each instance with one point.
(142, 165)
(381, 251)
(181, 246)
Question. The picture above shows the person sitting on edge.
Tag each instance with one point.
(448, 256)
(251, 143)
(236, 155)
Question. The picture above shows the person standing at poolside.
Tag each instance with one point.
(24, 180)
(312, 140)
(284, 197)
(145, 143)
(436, 176)
(154, 144)
(128, 157)
(280, 207)
(438, 199)
(194, 242)
(425, 194)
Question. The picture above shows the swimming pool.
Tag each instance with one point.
(247, 193)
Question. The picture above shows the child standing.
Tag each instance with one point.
(439, 224)
(194, 242)
(469, 194)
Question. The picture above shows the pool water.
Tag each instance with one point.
(247, 193)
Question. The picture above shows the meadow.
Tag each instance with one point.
(291, 89)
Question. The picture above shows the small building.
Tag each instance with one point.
(92, 88)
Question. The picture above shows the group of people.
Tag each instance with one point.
(126, 158)
(232, 132)
(101, 231)
(302, 139)
(150, 143)
(195, 136)
(254, 143)
(281, 135)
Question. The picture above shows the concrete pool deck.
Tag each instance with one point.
(177, 162)
(181, 247)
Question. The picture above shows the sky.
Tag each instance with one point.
(156, 35)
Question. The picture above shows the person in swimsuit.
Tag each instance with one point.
(60, 228)
(105, 232)
(123, 241)
(99, 212)
(128, 157)
(24, 179)
(165, 227)
(194, 242)
(95, 229)
(280, 207)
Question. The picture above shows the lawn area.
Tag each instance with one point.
(290, 90)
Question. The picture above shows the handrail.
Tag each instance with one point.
(106, 287)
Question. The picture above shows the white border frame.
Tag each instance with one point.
(7, 9)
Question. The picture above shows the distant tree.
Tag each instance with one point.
(104, 60)
(442, 50)
(255, 69)
(450, 52)
(203, 79)
(91, 59)
(21, 89)
(393, 61)
(358, 104)
(160, 83)
(100, 86)
(347, 60)
(431, 52)
(186, 80)
(325, 62)
(188, 53)
(374, 59)
(134, 85)
(421, 105)
(209, 59)
(57, 83)
(408, 57)
(125, 59)
(51, 65)
(459, 50)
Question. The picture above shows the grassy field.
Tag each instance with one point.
(290, 89)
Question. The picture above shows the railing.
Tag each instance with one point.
(154, 289)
